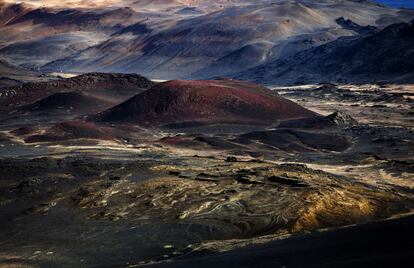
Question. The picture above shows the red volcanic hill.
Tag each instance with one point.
(204, 102)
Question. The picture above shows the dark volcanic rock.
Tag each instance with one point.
(350, 25)
(336, 119)
(105, 85)
(22, 131)
(9, 82)
(287, 181)
(294, 140)
(341, 119)
(136, 29)
(28, 186)
(76, 102)
(72, 130)
(206, 102)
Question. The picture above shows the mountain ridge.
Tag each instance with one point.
(163, 42)
(382, 56)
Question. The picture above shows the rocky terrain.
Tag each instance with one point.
(109, 87)
(310, 164)
(177, 168)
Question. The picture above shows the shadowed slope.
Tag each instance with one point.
(356, 246)
(11, 74)
(114, 87)
(7, 68)
(386, 55)
(68, 102)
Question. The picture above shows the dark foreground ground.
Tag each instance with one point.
(381, 244)
(79, 193)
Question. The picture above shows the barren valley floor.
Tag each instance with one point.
(227, 195)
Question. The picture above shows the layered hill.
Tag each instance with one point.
(33, 36)
(179, 39)
(386, 55)
(189, 103)
(232, 39)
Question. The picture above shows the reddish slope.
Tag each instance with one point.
(207, 102)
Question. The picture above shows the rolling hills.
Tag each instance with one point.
(179, 39)
(383, 56)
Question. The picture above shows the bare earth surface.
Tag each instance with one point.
(87, 194)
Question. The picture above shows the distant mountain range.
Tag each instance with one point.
(386, 55)
(167, 39)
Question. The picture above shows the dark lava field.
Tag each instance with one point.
(189, 169)
(219, 133)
